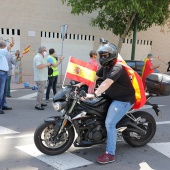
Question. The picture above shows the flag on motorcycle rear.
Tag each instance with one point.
(137, 84)
(81, 71)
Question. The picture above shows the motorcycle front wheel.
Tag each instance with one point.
(50, 143)
(147, 123)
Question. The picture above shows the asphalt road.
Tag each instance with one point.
(18, 152)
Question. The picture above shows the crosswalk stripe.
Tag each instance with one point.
(145, 166)
(13, 90)
(163, 122)
(4, 131)
(28, 96)
(19, 136)
(63, 161)
(147, 106)
(163, 148)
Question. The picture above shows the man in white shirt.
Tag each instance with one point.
(4, 68)
(40, 75)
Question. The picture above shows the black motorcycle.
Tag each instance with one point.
(56, 134)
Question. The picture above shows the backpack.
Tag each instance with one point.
(50, 71)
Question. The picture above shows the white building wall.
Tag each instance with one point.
(143, 47)
(33, 17)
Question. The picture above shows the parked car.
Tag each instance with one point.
(137, 66)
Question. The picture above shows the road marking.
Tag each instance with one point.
(147, 107)
(19, 136)
(4, 131)
(145, 166)
(61, 162)
(13, 90)
(163, 148)
(28, 96)
(163, 122)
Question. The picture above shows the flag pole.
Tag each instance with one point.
(65, 73)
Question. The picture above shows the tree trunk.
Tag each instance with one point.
(123, 36)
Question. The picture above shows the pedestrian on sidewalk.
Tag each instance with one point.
(53, 76)
(40, 66)
(148, 68)
(10, 62)
(4, 68)
(18, 68)
(93, 61)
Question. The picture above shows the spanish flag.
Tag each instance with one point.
(81, 71)
(26, 50)
(146, 70)
(136, 83)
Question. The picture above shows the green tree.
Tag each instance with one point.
(118, 15)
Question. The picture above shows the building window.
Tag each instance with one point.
(7, 31)
(2, 31)
(18, 32)
(13, 32)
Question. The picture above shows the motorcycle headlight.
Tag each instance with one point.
(58, 106)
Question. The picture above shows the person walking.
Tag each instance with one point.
(18, 68)
(11, 62)
(4, 68)
(148, 68)
(93, 61)
(40, 66)
(53, 76)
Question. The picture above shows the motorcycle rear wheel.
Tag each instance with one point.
(44, 139)
(147, 123)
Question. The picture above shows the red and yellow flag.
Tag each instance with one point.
(26, 50)
(81, 71)
(136, 83)
(146, 70)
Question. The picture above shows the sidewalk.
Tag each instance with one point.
(29, 79)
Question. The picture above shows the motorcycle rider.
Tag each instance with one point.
(117, 86)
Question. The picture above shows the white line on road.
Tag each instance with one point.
(163, 122)
(163, 148)
(28, 96)
(13, 90)
(19, 136)
(4, 131)
(145, 166)
(61, 162)
(147, 106)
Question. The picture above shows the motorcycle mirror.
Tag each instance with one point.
(72, 82)
(103, 41)
(82, 93)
